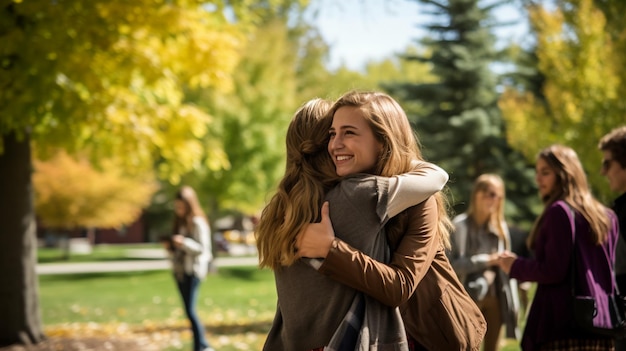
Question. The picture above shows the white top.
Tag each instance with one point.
(193, 256)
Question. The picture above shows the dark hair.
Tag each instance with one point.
(615, 143)
(572, 187)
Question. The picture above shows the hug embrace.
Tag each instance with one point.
(357, 234)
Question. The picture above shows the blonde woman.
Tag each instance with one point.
(480, 234)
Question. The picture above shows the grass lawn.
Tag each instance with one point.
(99, 253)
(237, 304)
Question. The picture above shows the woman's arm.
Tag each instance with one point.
(399, 193)
(198, 242)
(392, 283)
(412, 188)
(553, 250)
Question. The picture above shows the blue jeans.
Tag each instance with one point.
(189, 292)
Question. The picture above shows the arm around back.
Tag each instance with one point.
(395, 282)
(414, 187)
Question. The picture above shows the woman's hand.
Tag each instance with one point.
(177, 240)
(317, 238)
(505, 261)
(494, 260)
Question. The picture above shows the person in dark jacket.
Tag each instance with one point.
(613, 147)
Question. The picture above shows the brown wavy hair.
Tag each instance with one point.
(309, 174)
(571, 186)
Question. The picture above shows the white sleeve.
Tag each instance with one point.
(199, 242)
(410, 189)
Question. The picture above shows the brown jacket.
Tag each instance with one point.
(437, 311)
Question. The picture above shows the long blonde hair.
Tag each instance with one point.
(309, 173)
(571, 186)
(496, 220)
(392, 129)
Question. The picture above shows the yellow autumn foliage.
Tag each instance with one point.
(518, 107)
(581, 64)
(70, 193)
(108, 79)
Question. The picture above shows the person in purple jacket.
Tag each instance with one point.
(565, 192)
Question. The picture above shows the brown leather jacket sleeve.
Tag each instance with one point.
(395, 282)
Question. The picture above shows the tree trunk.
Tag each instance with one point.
(20, 319)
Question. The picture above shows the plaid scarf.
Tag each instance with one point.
(347, 336)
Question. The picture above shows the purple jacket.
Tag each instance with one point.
(551, 310)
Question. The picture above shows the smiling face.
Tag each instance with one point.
(352, 145)
(545, 178)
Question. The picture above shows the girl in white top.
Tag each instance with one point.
(190, 252)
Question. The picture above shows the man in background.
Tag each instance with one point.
(613, 147)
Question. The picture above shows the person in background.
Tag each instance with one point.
(568, 201)
(313, 311)
(480, 234)
(189, 250)
(613, 147)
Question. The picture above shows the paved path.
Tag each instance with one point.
(132, 265)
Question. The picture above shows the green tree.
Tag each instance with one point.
(253, 119)
(105, 78)
(282, 66)
(579, 52)
(460, 124)
(379, 74)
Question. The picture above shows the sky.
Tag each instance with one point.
(362, 30)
